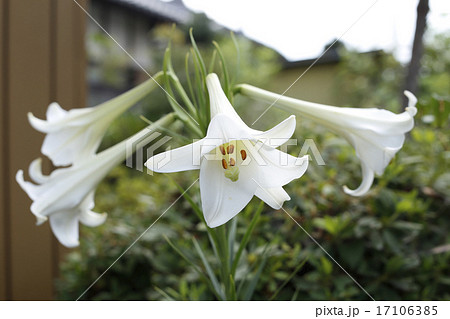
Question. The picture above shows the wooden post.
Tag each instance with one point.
(42, 60)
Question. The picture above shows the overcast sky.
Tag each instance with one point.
(299, 29)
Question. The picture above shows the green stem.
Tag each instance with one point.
(224, 256)
(123, 102)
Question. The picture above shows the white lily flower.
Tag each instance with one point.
(376, 134)
(73, 136)
(66, 196)
(235, 162)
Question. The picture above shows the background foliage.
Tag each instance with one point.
(394, 241)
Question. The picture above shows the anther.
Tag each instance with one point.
(222, 149)
(230, 149)
(243, 155)
(224, 164)
(232, 162)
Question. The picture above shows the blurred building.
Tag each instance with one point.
(311, 80)
(130, 24)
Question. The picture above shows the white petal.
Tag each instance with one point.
(219, 102)
(72, 144)
(33, 191)
(279, 168)
(223, 199)
(184, 158)
(274, 197)
(92, 219)
(279, 134)
(87, 216)
(374, 149)
(55, 112)
(222, 126)
(38, 124)
(412, 101)
(367, 180)
(65, 227)
(35, 171)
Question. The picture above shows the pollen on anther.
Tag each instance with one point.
(222, 149)
(230, 149)
(243, 155)
(224, 164)
(232, 162)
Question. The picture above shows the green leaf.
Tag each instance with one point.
(246, 237)
(227, 85)
(250, 288)
(300, 266)
(209, 270)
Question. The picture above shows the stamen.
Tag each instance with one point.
(243, 155)
(224, 164)
(222, 149)
(232, 162)
(230, 149)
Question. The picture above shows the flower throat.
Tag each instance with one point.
(233, 154)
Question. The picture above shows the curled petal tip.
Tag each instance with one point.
(37, 124)
(19, 179)
(412, 101)
(40, 219)
(35, 171)
(71, 244)
(353, 192)
(367, 180)
(92, 219)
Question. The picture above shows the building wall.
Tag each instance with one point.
(315, 85)
(42, 60)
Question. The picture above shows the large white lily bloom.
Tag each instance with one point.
(235, 162)
(75, 135)
(66, 196)
(376, 134)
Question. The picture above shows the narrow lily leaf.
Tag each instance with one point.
(209, 270)
(170, 96)
(213, 242)
(164, 294)
(212, 62)
(188, 80)
(194, 205)
(163, 129)
(183, 94)
(232, 292)
(232, 240)
(196, 268)
(246, 237)
(211, 234)
(179, 111)
(238, 56)
(198, 55)
(250, 288)
(226, 78)
(169, 70)
(200, 90)
(300, 266)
